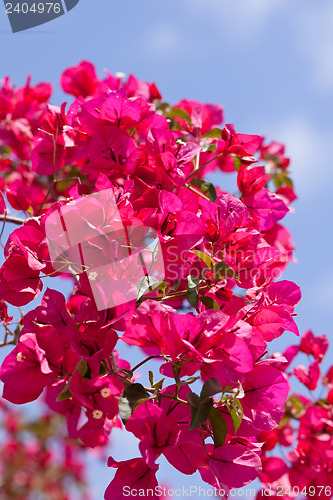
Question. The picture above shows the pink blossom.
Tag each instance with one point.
(233, 465)
(157, 431)
(133, 474)
(80, 80)
(315, 345)
(309, 377)
(19, 284)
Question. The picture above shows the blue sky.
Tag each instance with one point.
(268, 62)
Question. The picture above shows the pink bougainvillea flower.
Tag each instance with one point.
(273, 153)
(265, 388)
(289, 354)
(96, 431)
(251, 180)
(233, 465)
(266, 207)
(188, 455)
(273, 469)
(156, 430)
(19, 284)
(29, 241)
(309, 377)
(287, 194)
(80, 80)
(123, 112)
(49, 153)
(22, 374)
(282, 293)
(272, 321)
(139, 88)
(203, 117)
(134, 474)
(4, 312)
(315, 345)
(98, 393)
(93, 343)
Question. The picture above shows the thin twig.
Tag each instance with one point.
(145, 361)
(196, 170)
(14, 220)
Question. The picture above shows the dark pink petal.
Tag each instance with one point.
(309, 377)
(266, 207)
(131, 474)
(234, 465)
(315, 345)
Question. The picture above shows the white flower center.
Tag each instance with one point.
(92, 275)
(97, 414)
(106, 392)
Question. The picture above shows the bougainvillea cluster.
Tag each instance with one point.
(37, 460)
(305, 432)
(209, 320)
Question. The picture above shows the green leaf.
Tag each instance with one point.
(237, 162)
(133, 395)
(294, 407)
(205, 187)
(209, 147)
(205, 258)
(200, 409)
(162, 288)
(214, 133)
(236, 411)
(189, 380)
(146, 284)
(127, 373)
(178, 113)
(82, 367)
(219, 427)
(175, 286)
(65, 394)
(209, 302)
(288, 182)
(151, 378)
(240, 393)
(211, 387)
(17, 332)
(192, 290)
(103, 369)
(222, 270)
(158, 385)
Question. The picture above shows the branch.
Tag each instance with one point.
(145, 361)
(14, 220)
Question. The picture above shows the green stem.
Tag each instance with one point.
(203, 440)
(145, 361)
(196, 170)
(168, 396)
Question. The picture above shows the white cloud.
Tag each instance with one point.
(315, 36)
(306, 145)
(321, 293)
(163, 39)
(243, 18)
